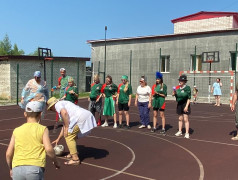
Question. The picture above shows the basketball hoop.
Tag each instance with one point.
(48, 58)
(209, 61)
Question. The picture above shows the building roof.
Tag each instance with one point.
(25, 57)
(162, 36)
(205, 15)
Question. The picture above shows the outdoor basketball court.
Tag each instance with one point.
(139, 154)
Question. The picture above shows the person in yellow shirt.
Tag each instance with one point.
(29, 144)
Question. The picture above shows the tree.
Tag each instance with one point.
(6, 48)
(16, 51)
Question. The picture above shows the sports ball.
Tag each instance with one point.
(59, 149)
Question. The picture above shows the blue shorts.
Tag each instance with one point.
(28, 173)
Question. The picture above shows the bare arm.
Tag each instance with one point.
(49, 149)
(129, 102)
(234, 99)
(65, 117)
(10, 152)
(136, 99)
(187, 104)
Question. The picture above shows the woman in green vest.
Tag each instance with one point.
(183, 95)
(159, 92)
(71, 92)
(109, 90)
(124, 100)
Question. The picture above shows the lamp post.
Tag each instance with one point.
(105, 58)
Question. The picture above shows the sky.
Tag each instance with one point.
(64, 26)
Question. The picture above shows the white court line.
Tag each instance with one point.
(23, 118)
(110, 169)
(6, 130)
(201, 169)
(126, 167)
(3, 109)
(11, 119)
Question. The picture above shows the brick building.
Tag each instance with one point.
(196, 37)
(29, 64)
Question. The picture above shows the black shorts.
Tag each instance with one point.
(181, 106)
(122, 107)
(158, 109)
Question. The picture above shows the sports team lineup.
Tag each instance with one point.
(117, 132)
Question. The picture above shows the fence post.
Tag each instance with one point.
(78, 75)
(235, 64)
(130, 64)
(51, 92)
(159, 59)
(17, 82)
(194, 65)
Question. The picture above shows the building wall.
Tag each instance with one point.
(28, 67)
(4, 80)
(146, 53)
(211, 24)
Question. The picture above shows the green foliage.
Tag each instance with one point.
(16, 51)
(6, 47)
(35, 53)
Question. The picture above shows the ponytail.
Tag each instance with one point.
(126, 86)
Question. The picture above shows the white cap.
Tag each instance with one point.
(62, 69)
(34, 106)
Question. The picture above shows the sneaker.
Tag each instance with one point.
(179, 133)
(148, 127)
(162, 131)
(115, 125)
(128, 127)
(120, 126)
(105, 124)
(142, 126)
(186, 136)
(153, 129)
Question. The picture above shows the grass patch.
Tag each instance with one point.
(84, 94)
(81, 95)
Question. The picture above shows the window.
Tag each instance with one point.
(233, 61)
(165, 64)
(196, 64)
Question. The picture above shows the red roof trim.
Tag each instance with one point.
(160, 36)
(204, 15)
(25, 57)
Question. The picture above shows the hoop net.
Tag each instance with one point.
(210, 59)
(204, 81)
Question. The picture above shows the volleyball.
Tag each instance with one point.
(59, 149)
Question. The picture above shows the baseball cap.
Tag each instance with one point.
(124, 77)
(34, 106)
(37, 74)
(62, 69)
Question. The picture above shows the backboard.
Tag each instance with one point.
(210, 57)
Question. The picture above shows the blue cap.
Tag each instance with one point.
(37, 74)
(159, 75)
